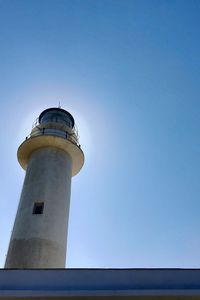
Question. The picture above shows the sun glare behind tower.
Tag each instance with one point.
(51, 155)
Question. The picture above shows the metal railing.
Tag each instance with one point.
(72, 137)
(35, 123)
(74, 129)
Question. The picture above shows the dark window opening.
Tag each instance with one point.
(38, 208)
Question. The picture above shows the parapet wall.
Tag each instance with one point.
(104, 283)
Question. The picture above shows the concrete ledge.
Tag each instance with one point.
(42, 141)
(95, 283)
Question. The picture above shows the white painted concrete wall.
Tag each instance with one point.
(39, 241)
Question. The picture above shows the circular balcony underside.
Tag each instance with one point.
(42, 141)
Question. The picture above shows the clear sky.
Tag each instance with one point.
(129, 72)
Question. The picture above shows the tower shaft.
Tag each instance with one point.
(39, 237)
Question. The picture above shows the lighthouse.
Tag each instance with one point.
(51, 155)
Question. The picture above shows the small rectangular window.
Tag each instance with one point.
(38, 208)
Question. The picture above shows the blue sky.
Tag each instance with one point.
(129, 72)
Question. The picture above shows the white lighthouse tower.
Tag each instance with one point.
(51, 155)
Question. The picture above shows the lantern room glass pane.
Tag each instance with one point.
(57, 116)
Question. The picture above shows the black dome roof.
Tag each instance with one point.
(57, 110)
